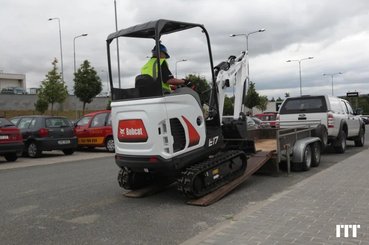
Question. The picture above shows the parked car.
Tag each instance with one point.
(268, 117)
(260, 123)
(13, 90)
(11, 142)
(95, 130)
(46, 133)
(251, 124)
(335, 120)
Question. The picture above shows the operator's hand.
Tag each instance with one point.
(188, 83)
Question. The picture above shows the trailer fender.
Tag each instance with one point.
(299, 148)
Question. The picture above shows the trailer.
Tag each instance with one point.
(295, 146)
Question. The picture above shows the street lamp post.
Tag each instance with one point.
(183, 60)
(116, 29)
(74, 48)
(246, 35)
(61, 47)
(308, 58)
(332, 75)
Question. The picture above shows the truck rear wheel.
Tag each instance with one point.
(340, 143)
(359, 141)
(321, 132)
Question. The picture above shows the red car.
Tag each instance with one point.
(268, 117)
(94, 130)
(11, 141)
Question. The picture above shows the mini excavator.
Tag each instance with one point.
(169, 137)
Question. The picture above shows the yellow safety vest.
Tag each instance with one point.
(150, 68)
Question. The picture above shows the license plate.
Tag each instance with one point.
(4, 137)
(63, 142)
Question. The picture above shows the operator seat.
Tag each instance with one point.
(147, 86)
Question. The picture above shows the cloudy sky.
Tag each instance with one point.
(335, 33)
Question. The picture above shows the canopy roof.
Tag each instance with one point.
(153, 29)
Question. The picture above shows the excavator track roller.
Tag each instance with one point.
(207, 176)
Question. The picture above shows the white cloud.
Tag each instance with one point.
(333, 32)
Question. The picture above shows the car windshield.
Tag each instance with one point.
(5, 123)
(56, 122)
(83, 121)
(26, 122)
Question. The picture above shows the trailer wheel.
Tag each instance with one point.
(315, 156)
(306, 162)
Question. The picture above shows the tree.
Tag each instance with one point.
(286, 95)
(252, 97)
(279, 99)
(272, 100)
(41, 105)
(228, 106)
(263, 103)
(201, 86)
(53, 89)
(87, 84)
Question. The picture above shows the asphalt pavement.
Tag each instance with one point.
(308, 213)
(80, 202)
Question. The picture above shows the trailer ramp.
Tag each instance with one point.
(254, 163)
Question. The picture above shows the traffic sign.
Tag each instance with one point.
(352, 94)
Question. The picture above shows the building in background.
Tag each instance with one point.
(8, 80)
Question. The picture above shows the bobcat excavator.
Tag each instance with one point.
(168, 136)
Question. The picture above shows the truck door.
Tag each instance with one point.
(353, 122)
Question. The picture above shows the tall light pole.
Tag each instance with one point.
(107, 81)
(116, 29)
(246, 35)
(74, 48)
(332, 75)
(308, 58)
(183, 60)
(61, 48)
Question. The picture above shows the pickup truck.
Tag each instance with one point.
(333, 117)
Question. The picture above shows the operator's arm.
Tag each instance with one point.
(168, 77)
(175, 81)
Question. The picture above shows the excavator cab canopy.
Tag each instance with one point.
(151, 30)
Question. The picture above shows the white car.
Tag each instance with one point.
(334, 118)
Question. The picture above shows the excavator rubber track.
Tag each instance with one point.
(207, 176)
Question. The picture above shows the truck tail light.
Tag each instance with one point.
(132, 130)
(277, 121)
(330, 121)
(43, 132)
